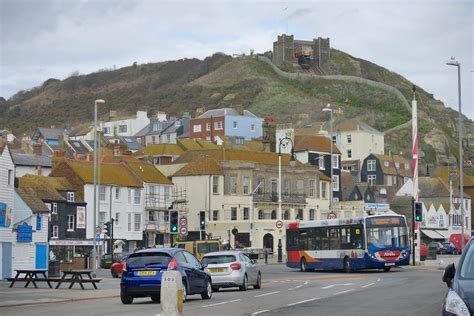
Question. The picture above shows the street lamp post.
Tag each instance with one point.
(94, 250)
(455, 63)
(284, 142)
(329, 109)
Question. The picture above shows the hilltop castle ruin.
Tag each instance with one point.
(288, 49)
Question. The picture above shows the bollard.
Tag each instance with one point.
(266, 256)
(171, 294)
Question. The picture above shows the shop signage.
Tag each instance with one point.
(25, 233)
(71, 243)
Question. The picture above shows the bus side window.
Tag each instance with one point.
(346, 238)
(324, 239)
(316, 238)
(357, 237)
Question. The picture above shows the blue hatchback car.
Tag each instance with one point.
(141, 276)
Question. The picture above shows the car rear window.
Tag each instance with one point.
(218, 259)
(148, 258)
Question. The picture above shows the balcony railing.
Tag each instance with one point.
(294, 198)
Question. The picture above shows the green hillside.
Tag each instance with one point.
(223, 81)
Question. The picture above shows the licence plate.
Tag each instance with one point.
(390, 264)
(146, 273)
(213, 270)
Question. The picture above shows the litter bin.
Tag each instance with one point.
(54, 269)
(431, 252)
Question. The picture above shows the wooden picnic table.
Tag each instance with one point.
(31, 276)
(76, 276)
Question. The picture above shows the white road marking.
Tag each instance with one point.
(368, 285)
(298, 286)
(333, 285)
(267, 294)
(342, 292)
(305, 301)
(261, 312)
(221, 303)
(378, 280)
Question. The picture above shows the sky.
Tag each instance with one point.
(52, 39)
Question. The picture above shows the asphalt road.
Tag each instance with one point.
(289, 292)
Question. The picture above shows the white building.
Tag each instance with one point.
(7, 176)
(125, 126)
(120, 196)
(356, 140)
(441, 208)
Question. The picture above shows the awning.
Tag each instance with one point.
(443, 233)
(432, 234)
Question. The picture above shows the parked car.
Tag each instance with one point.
(450, 248)
(460, 281)
(106, 260)
(117, 267)
(423, 251)
(232, 269)
(456, 240)
(439, 247)
(141, 276)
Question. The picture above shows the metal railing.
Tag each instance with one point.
(297, 198)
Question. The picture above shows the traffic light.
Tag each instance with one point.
(106, 230)
(202, 220)
(174, 222)
(418, 211)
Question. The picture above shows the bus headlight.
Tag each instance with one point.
(455, 304)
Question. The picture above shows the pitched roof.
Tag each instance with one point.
(51, 133)
(314, 143)
(189, 144)
(131, 142)
(435, 187)
(355, 125)
(46, 187)
(225, 112)
(81, 129)
(31, 198)
(171, 169)
(222, 154)
(160, 150)
(110, 173)
(78, 146)
(443, 173)
(392, 169)
(200, 167)
(311, 129)
(147, 172)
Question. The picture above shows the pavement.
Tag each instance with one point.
(109, 287)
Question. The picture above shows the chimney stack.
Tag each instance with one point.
(38, 149)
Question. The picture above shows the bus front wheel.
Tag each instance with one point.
(347, 265)
(303, 265)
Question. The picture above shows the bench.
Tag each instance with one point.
(31, 276)
(76, 276)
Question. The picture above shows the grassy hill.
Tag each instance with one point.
(221, 81)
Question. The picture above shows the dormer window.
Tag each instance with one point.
(70, 196)
(386, 163)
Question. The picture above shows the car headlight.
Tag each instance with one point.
(455, 304)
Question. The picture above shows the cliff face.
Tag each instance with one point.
(353, 86)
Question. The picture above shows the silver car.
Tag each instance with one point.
(232, 269)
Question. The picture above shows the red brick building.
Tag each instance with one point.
(207, 128)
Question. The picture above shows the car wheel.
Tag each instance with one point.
(126, 299)
(114, 274)
(185, 291)
(386, 269)
(258, 285)
(156, 298)
(206, 295)
(303, 265)
(243, 287)
(346, 265)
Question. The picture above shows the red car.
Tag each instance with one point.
(117, 267)
(456, 240)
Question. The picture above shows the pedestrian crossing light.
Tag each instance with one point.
(418, 211)
(202, 220)
(174, 222)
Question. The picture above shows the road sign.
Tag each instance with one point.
(332, 215)
(97, 237)
(183, 221)
(279, 224)
(183, 231)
